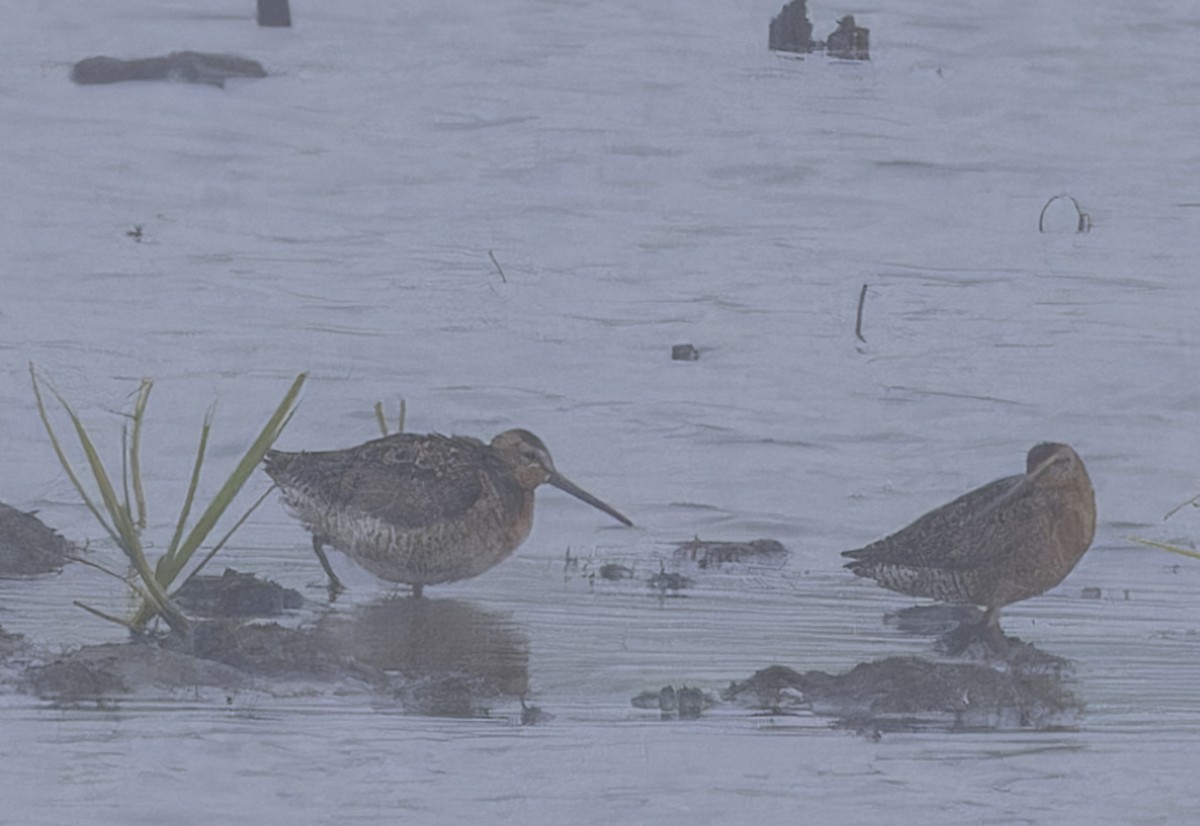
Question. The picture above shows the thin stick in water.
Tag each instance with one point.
(862, 297)
(1194, 501)
(498, 268)
(379, 418)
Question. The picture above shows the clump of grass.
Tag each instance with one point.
(382, 420)
(123, 516)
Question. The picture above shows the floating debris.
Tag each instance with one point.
(768, 553)
(1083, 224)
(684, 352)
(27, 546)
(669, 583)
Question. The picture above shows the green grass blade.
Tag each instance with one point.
(1175, 549)
(233, 485)
(135, 450)
(98, 613)
(122, 528)
(228, 535)
(65, 462)
(193, 483)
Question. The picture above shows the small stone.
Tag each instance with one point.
(614, 572)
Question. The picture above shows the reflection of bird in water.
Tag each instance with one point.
(450, 654)
(1009, 540)
(421, 509)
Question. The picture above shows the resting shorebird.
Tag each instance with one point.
(421, 509)
(1009, 540)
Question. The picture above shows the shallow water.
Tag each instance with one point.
(645, 177)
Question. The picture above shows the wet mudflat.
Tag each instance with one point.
(645, 176)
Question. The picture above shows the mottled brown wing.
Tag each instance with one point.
(411, 480)
(987, 523)
(408, 480)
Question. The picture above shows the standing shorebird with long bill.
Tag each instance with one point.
(421, 509)
(1009, 540)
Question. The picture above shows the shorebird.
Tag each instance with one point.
(1009, 540)
(421, 509)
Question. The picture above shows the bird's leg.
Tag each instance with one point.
(991, 617)
(986, 632)
(417, 590)
(335, 584)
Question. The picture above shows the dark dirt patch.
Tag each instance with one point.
(236, 595)
(27, 546)
(434, 657)
(912, 693)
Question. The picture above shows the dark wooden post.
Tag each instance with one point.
(274, 13)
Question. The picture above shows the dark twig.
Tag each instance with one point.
(499, 269)
(1194, 502)
(1085, 220)
(97, 612)
(101, 568)
(862, 297)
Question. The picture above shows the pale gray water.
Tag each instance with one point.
(646, 176)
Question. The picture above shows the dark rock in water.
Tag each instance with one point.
(27, 546)
(849, 41)
(186, 67)
(911, 693)
(274, 13)
(791, 30)
(683, 703)
(684, 352)
(763, 552)
(236, 594)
